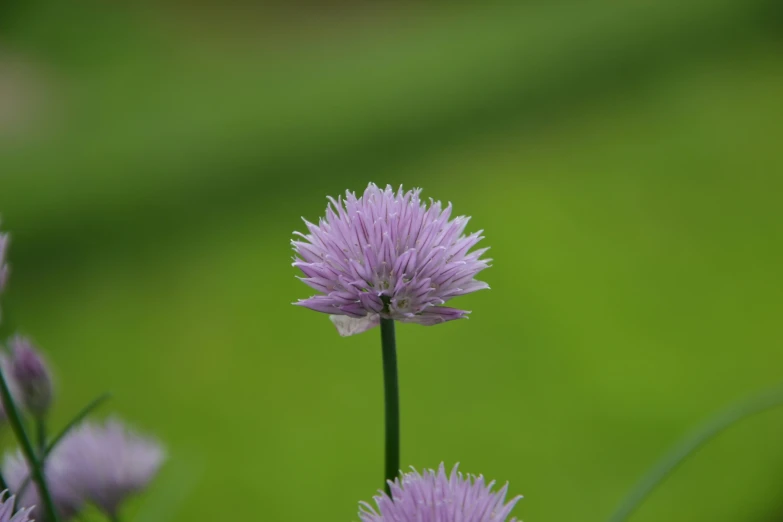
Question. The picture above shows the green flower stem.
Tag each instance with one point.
(40, 426)
(15, 420)
(687, 446)
(76, 420)
(392, 401)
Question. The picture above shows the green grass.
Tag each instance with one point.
(128, 113)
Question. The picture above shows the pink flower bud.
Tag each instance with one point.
(31, 375)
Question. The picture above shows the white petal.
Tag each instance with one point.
(347, 326)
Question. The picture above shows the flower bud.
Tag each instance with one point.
(31, 375)
(3, 265)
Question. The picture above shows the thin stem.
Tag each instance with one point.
(15, 420)
(40, 426)
(392, 401)
(687, 446)
(76, 420)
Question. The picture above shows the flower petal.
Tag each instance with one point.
(347, 326)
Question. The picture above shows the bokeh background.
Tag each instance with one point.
(624, 159)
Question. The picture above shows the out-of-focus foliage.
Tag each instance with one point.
(623, 158)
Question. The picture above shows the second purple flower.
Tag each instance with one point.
(3, 264)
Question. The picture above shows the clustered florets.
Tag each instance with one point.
(387, 254)
(434, 496)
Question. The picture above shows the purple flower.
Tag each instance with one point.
(387, 254)
(7, 506)
(102, 464)
(108, 463)
(436, 497)
(57, 470)
(31, 375)
(3, 265)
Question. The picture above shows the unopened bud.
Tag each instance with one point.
(31, 375)
(3, 265)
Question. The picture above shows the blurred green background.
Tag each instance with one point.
(624, 160)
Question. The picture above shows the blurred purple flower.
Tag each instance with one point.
(31, 376)
(3, 265)
(102, 464)
(7, 506)
(386, 254)
(57, 470)
(4, 240)
(108, 463)
(436, 497)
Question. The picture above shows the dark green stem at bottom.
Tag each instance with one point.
(40, 425)
(391, 400)
(686, 447)
(33, 463)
